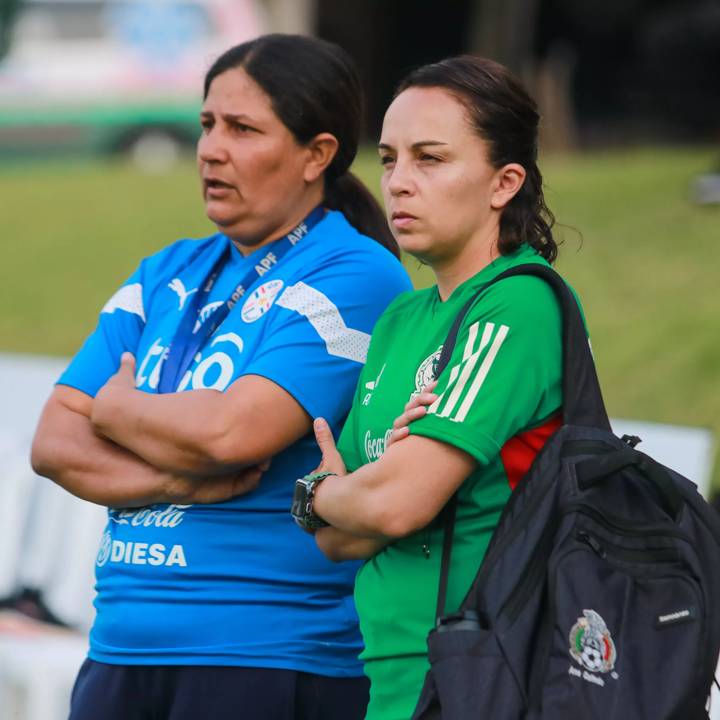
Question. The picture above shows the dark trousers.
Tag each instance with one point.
(138, 692)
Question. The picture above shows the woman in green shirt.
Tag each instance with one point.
(463, 193)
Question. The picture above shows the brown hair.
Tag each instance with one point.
(506, 118)
(313, 87)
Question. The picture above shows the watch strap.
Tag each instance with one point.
(317, 477)
(309, 519)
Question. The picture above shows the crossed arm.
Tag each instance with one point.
(202, 431)
(128, 448)
(390, 498)
(67, 450)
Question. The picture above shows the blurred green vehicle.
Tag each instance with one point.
(86, 77)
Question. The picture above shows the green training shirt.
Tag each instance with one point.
(499, 399)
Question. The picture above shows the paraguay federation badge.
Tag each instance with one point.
(261, 300)
(591, 644)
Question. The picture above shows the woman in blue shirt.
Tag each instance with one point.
(210, 602)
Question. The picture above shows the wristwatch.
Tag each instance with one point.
(302, 504)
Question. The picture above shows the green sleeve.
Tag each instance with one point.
(505, 372)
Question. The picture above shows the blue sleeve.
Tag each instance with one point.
(119, 328)
(317, 341)
(122, 319)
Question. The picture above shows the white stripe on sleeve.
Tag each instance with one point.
(470, 358)
(128, 298)
(487, 362)
(325, 317)
(453, 377)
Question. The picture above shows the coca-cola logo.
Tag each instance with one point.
(164, 517)
(375, 446)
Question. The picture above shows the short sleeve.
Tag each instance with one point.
(318, 340)
(119, 329)
(505, 372)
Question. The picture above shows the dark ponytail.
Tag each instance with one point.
(528, 219)
(314, 88)
(506, 118)
(350, 196)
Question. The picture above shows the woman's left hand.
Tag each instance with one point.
(114, 395)
(332, 461)
(415, 409)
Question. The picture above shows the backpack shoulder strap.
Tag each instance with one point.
(582, 400)
(448, 512)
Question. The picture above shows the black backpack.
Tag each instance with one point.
(599, 595)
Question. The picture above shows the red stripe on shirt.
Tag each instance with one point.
(519, 451)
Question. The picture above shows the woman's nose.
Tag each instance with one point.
(211, 147)
(399, 181)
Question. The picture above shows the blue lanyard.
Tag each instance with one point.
(192, 333)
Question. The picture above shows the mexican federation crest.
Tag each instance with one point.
(426, 372)
(591, 644)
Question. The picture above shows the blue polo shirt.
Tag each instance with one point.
(236, 583)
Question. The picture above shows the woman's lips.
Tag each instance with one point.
(402, 220)
(215, 188)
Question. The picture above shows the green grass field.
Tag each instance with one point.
(647, 265)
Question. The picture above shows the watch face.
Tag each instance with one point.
(299, 499)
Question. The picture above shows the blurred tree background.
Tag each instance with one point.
(8, 10)
(604, 71)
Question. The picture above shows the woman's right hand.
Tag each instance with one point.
(332, 461)
(415, 409)
(185, 490)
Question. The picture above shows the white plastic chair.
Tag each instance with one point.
(15, 495)
(48, 541)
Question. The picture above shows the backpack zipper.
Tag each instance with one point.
(535, 570)
(592, 542)
(614, 526)
(655, 555)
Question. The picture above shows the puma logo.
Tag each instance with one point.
(177, 286)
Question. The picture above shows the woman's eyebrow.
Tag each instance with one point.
(238, 117)
(424, 143)
(233, 117)
(415, 145)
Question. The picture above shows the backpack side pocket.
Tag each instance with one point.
(469, 676)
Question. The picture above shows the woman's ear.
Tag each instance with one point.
(321, 151)
(508, 181)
